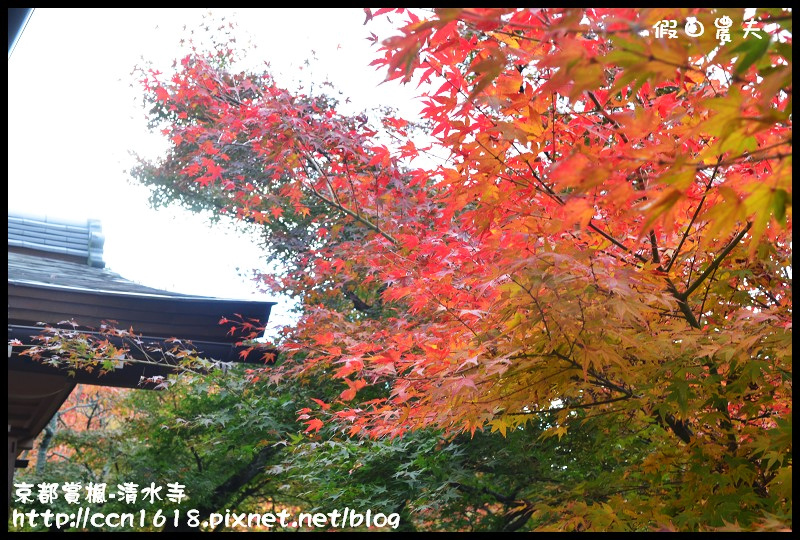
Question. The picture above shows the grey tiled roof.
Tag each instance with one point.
(52, 285)
(24, 268)
(43, 251)
(80, 239)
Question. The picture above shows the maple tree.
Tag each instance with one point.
(604, 249)
(235, 442)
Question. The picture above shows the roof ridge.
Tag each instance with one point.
(82, 239)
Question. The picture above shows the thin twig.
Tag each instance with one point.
(716, 262)
(694, 217)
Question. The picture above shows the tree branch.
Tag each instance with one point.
(197, 459)
(654, 247)
(716, 262)
(694, 217)
(705, 296)
(614, 241)
(341, 207)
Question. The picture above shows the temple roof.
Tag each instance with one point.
(56, 273)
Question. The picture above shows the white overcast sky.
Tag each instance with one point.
(73, 118)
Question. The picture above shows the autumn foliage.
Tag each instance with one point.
(585, 218)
